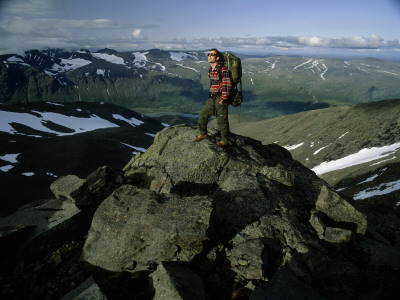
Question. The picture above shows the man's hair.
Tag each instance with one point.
(216, 50)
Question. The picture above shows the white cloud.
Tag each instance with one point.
(32, 24)
(137, 34)
(313, 41)
(355, 42)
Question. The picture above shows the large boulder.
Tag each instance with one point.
(233, 215)
(135, 230)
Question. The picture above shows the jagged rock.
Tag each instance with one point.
(339, 210)
(87, 290)
(134, 230)
(285, 285)
(247, 255)
(327, 233)
(63, 187)
(96, 187)
(176, 281)
(279, 174)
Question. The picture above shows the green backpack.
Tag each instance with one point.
(234, 66)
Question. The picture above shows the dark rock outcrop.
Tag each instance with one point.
(87, 290)
(175, 281)
(243, 222)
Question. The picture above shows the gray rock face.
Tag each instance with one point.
(238, 213)
(135, 230)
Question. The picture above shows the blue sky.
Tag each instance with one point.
(280, 26)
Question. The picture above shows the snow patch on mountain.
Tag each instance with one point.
(292, 147)
(6, 168)
(12, 158)
(320, 149)
(132, 121)
(369, 179)
(140, 149)
(159, 66)
(363, 156)
(272, 64)
(67, 65)
(382, 189)
(28, 174)
(383, 161)
(55, 104)
(76, 124)
(110, 58)
(16, 60)
(179, 56)
(391, 73)
(343, 135)
(315, 65)
(140, 59)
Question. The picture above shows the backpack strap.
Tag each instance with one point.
(220, 75)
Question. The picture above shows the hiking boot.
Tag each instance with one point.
(222, 144)
(201, 137)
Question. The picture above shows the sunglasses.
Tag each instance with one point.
(211, 54)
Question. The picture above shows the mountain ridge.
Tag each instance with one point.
(176, 81)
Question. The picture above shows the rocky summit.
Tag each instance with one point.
(188, 220)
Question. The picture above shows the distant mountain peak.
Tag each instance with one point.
(107, 51)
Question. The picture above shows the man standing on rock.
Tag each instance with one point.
(217, 103)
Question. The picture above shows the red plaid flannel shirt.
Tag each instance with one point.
(220, 88)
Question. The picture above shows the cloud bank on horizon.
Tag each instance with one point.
(262, 26)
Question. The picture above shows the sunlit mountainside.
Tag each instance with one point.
(172, 81)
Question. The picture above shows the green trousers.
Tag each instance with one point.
(213, 108)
